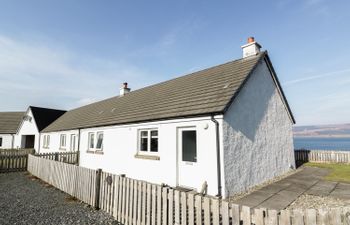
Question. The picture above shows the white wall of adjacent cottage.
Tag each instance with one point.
(27, 127)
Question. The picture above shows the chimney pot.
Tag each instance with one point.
(251, 40)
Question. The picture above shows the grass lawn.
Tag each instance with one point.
(339, 172)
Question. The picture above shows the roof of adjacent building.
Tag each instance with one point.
(9, 122)
(205, 92)
(44, 117)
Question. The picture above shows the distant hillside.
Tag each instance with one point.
(339, 130)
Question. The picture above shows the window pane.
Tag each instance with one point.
(144, 134)
(154, 144)
(99, 140)
(91, 140)
(189, 146)
(63, 140)
(0, 141)
(47, 140)
(144, 144)
(154, 133)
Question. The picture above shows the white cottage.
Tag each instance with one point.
(34, 120)
(229, 126)
(9, 122)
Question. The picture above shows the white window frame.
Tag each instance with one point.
(148, 152)
(63, 147)
(95, 140)
(46, 142)
(73, 145)
(89, 141)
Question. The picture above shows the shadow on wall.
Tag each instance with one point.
(252, 111)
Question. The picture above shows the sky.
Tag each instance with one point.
(65, 54)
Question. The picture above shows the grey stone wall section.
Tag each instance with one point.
(257, 135)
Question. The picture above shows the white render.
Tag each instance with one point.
(251, 49)
(257, 134)
(120, 145)
(54, 144)
(7, 141)
(27, 127)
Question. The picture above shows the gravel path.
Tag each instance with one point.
(25, 200)
(317, 202)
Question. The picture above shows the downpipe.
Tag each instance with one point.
(218, 158)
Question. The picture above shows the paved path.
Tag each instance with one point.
(281, 194)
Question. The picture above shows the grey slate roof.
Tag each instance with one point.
(9, 122)
(205, 92)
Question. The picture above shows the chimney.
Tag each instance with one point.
(252, 48)
(124, 89)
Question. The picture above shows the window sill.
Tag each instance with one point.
(62, 149)
(98, 152)
(148, 157)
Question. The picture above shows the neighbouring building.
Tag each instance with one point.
(9, 122)
(229, 126)
(33, 121)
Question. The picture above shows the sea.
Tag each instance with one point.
(317, 143)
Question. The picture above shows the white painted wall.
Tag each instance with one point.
(120, 146)
(54, 145)
(6, 141)
(257, 135)
(27, 128)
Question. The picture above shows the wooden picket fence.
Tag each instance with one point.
(4, 152)
(76, 181)
(13, 163)
(14, 160)
(66, 157)
(320, 156)
(138, 202)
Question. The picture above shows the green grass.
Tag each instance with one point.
(338, 172)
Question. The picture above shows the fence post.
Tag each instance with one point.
(78, 158)
(56, 156)
(97, 186)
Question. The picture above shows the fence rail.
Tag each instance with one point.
(302, 156)
(4, 152)
(66, 157)
(141, 203)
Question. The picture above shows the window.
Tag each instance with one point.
(189, 146)
(63, 141)
(148, 141)
(99, 144)
(91, 140)
(46, 142)
(73, 142)
(0, 141)
(96, 141)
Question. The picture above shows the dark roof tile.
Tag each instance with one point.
(204, 92)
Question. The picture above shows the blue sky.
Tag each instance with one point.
(64, 54)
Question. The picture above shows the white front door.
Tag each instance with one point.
(73, 142)
(187, 158)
